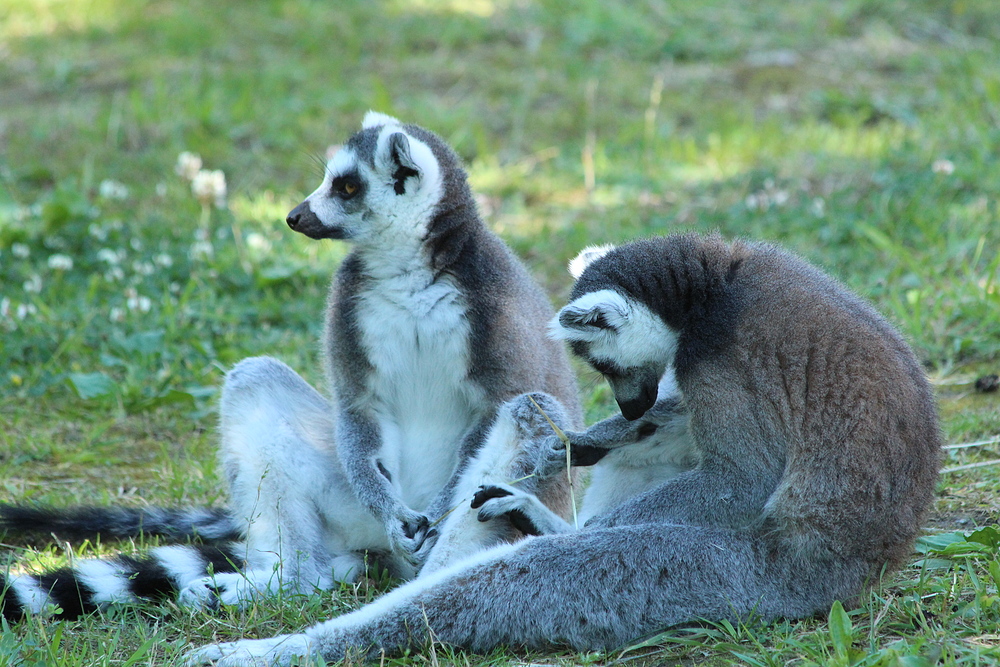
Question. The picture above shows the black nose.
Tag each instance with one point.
(294, 218)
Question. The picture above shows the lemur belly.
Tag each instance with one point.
(418, 343)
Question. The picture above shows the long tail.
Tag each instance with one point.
(92, 584)
(81, 523)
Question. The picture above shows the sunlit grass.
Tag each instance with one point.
(862, 135)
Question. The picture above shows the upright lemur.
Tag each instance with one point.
(432, 325)
(817, 453)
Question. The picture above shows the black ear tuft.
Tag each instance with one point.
(578, 318)
(399, 150)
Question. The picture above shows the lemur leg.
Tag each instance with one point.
(594, 589)
(512, 447)
(284, 479)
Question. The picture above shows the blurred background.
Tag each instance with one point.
(150, 150)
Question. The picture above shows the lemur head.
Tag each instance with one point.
(619, 336)
(384, 182)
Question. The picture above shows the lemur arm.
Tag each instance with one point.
(358, 443)
(590, 446)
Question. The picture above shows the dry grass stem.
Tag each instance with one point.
(569, 459)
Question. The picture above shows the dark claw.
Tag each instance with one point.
(488, 493)
(411, 531)
(584, 455)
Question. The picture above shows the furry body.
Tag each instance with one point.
(818, 451)
(432, 325)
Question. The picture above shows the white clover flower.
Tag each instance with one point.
(201, 250)
(161, 190)
(97, 231)
(136, 301)
(188, 165)
(135, 243)
(946, 167)
(209, 186)
(111, 256)
(258, 242)
(33, 284)
(164, 260)
(4, 307)
(755, 202)
(60, 262)
(25, 309)
(110, 189)
(174, 287)
(114, 274)
(143, 268)
(818, 207)
(20, 250)
(116, 314)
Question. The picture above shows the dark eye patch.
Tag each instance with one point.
(346, 186)
(605, 367)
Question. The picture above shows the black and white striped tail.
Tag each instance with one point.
(83, 523)
(92, 584)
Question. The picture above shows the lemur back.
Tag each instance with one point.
(432, 325)
(817, 455)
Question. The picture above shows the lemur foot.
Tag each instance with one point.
(503, 500)
(224, 589)
(279, 651)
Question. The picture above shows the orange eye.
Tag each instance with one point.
(350, 188)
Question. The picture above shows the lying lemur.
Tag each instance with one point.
(817, 450)
(432, 325)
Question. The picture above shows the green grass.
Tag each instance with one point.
(861, 134)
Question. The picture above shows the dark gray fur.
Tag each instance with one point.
(819, 451)
(507, 312)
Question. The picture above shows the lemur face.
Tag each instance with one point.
(623, 340)
(382, 184)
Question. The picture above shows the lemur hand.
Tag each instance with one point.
(552, 459)
(407, 532)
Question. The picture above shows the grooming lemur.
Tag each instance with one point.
(432, 324)
(818, 449)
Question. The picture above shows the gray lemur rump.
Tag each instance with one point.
(432, 324)
(818, 449)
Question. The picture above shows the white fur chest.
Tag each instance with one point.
(629, 471)
(416, 335)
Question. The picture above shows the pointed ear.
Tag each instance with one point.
(374, 119)
(402, 163)
(597, 316)
(588, 256)
(590, 316)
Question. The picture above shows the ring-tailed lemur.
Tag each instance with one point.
(818, 448)
(628, 457)
(432, 324)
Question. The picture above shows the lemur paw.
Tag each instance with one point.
(502, 500)
(277, 651)
(407, 533)
(226, 588)
(551, 459)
